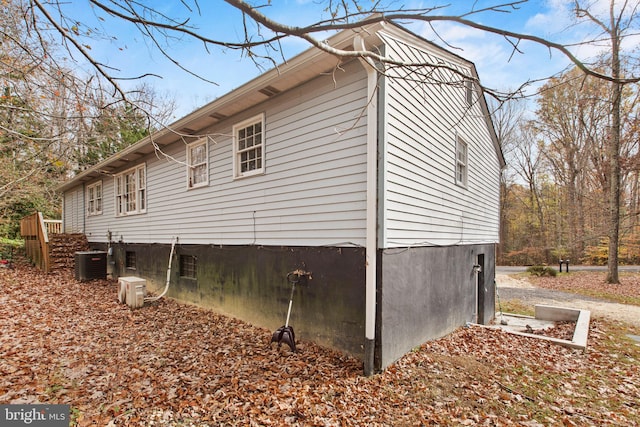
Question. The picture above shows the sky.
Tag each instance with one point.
(121, 47)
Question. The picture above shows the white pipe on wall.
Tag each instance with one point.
(371, 216)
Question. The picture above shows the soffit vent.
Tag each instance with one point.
(269, 91)
(188, 131)
(217, 116)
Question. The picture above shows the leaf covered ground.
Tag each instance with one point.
(172, 364)
(594, 284)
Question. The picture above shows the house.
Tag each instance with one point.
(383, 184)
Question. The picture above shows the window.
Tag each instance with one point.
(197, 164)
(461, 162)
(94, 198)
(468, 88)
(188, 266)
(248, 147)
(131, 191)
(130, 260)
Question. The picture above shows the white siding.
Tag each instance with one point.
(313, 191)
(73, 221)
(422, 205)
(97, 226)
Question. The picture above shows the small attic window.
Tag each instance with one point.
(462, 158)
(468, 91)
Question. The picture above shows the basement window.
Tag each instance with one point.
(130, 261)
(188, 266)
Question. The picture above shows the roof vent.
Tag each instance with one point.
(269, 91)
(217, 116)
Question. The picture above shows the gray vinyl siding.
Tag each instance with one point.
(423, 205)
(97, 226)
(312, 192)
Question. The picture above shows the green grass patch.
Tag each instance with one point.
(515, 306)
(603, 294)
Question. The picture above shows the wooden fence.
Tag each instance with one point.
(35, 232)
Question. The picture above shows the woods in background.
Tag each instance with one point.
(555, 187)
(55, 120)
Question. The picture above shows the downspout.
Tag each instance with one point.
(371, 216)
(84, 209)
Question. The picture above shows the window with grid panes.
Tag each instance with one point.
(249, 147)
(131, 191)
(198, 164)
(188, 266)
(130, 260)
(94, 198)
(461, 162)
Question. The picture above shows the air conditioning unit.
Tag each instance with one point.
(91, 265)
(131, 290)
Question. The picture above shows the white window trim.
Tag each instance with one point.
(139, 191)
(92, 199)
(461, 143)
(236, 153)
(190, 166)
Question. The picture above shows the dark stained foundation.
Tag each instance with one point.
(423, 293)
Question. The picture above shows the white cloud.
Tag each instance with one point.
(555, 16)
(500, 65)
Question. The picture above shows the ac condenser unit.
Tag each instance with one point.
(90, 265)
(131, 290)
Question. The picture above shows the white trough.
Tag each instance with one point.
(546, 316)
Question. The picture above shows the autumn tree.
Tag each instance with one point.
(572, 115)
(507, 117)
(27, 166)
(51, 118)
(615, 25)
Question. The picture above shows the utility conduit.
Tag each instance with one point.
(166, 287)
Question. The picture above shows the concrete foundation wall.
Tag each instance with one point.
(428, 292)
(249, 283)
(423, 293)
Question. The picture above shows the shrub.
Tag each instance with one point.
(542, 270)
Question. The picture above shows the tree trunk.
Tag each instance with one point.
(614, 155)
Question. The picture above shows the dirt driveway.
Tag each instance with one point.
(512, 288)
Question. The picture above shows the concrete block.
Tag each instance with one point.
(556, 314)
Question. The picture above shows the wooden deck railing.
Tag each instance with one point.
(54, 226)
(35, 232)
